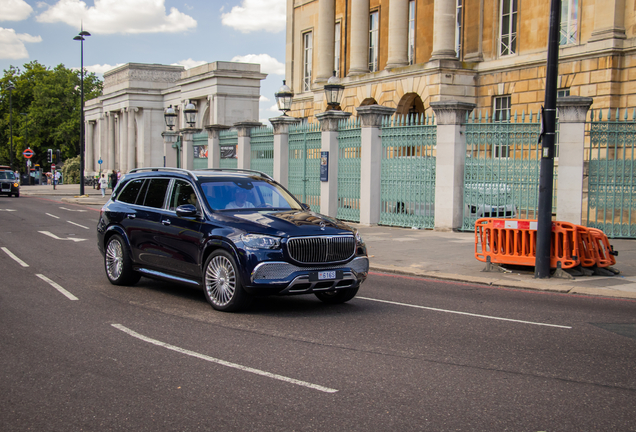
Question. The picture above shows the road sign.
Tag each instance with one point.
(52, 167)
(28, 153)
(100, 161)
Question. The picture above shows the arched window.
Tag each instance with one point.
(410, 103)
(369, 101)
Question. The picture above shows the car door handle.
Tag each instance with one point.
(131, 216)
(166, 221)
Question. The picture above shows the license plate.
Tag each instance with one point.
(326, 275)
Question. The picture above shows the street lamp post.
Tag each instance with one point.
(284, 98)
(27, 140)
(10, 87)
(80, 37)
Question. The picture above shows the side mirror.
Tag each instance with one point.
(187, 210)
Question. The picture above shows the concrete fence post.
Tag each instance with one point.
(450, 159)
(244, 146)
(281, 147)
(214, 145)
(169, 152)
(572, 112)
(371, 117)
(329, 142)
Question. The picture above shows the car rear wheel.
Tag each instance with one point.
(222, 283)
(336, 297)
(118, 264)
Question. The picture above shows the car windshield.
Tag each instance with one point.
(246, 193)
(4, 175)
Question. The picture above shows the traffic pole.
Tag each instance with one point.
(547, 138)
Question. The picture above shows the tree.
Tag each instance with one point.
(51, 98)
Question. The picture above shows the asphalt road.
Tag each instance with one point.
(77, 353)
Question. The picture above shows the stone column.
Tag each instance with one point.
(244, 146)
(214, 145)
(329, 143)
(123, 139)
(359, 37)
(89, 160)
(111, 141)
(187, 147)
(170, 152)
(371, 117)
(132, 143)
(444, 16)
(572, 115)
(281, 147)
(398, 34)
(326, 39)
(450, 161)
(609, 20)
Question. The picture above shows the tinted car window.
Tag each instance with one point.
(130, 192)
(182, 193)
(156, 193)
(224, 194)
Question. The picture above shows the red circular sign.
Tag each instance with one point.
(27, 153)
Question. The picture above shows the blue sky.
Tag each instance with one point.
(188, 33)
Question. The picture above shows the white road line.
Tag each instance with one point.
(8, 252)
(59, 238)
(73, 210)
(223, 362)
(57, 287)
(76, 224)
(8, 210)
(49, 214)
(464, 313)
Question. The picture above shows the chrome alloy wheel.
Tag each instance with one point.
(220, 280)
(114, 259)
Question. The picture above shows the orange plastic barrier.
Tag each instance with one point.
(513, 241)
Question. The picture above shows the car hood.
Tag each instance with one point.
(283, 223)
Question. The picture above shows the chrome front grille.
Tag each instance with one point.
(323, 249)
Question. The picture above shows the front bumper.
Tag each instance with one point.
(279, 277)
(9, 187)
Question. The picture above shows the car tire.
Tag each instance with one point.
(118, 264)
(222, 283)
(337, 297)
(17, 194)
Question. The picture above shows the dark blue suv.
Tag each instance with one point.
(235, 233)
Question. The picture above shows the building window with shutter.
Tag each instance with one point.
(307, 60)
(501, 113)
(411, 35)
(508, 28)
(569, 22)
(458, 27)
(336, 50)
(374, 30)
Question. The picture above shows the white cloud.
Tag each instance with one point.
(274, 108)
(100, 69)
(116, 16)
(257, 15)
(12, 44)
(14, 10)
(269, 65)
(263, 99)
(189, 63)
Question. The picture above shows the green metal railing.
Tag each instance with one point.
(501, 174)
(408, 172)
(304, 163)
(262, 153)
(349, 151)
(611, 196)
(228, 138)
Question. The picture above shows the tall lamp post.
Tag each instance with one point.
(27, 141)
(10, 87)
(80, 37)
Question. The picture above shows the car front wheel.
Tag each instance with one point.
(222, 283)
(118, 264)
(336, 297)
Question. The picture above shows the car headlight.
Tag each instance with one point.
(258, 241)
(359, 240)
(15, 185)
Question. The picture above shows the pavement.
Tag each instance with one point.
(438, 255)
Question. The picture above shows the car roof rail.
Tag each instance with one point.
(172, 169)
(261, 173)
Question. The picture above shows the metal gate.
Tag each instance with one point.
(304, 163)
(262, 150)
(349, 151)
(408, 172)
(228, 140)
(611, 197)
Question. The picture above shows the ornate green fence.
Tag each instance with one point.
(262, 153)
(611, 197)
(228, 140)
(349, 151)
(304, 163)
(408, 172)
(501, 175)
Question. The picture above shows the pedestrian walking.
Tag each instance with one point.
(103, 184)
(113, 179)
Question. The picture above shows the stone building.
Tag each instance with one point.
(406, 54)
(124, 125)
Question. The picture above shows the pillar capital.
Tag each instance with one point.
(372, 115)
(573, 109)
(451, 112)
(281, 123)
(170, 136)
(244, 128)
(188, 133)
(329, 119)
(213, 130)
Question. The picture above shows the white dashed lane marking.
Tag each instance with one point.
(18, 260)
(57, 287)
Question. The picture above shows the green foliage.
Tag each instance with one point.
(70, 170)
(46, 111)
